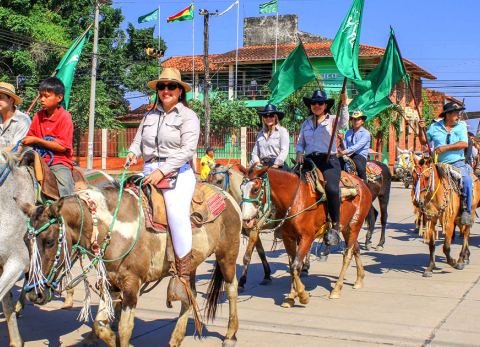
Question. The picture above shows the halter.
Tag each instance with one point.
(226, 181)
(264, 189)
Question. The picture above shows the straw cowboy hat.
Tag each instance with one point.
(358, 114)
(9, 89)
(319, 96)
(272, 109)
(451, 107)
(169, 74)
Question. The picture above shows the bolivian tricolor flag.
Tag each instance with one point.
(185, 14)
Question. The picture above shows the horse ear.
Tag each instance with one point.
(416, 159)
(53, 210)
(217, 165)
(27, 208)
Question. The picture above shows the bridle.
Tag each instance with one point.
(226, 181)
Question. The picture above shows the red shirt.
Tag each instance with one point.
(59, 126)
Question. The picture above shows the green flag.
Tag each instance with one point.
(383, 78)
(148, 17)
(66, 68)
(269, 7)
(294, 73)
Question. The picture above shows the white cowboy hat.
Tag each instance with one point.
(169, 74)
(9, 89)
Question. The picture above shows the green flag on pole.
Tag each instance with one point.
(345, 46)
(65, 70)
(383, 78)
(269, 7)
(149, 17)
(293, 74)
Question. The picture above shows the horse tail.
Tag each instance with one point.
(213, 293)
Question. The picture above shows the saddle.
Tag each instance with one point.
(208, 203)
(316, 182)
(45, 177)
(454, 175)
(373, 170)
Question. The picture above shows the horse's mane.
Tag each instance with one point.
(11, 158)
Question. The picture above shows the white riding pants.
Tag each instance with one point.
(177, 202)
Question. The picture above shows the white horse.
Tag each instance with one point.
(15, 183)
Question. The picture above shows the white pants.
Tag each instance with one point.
(178, 201)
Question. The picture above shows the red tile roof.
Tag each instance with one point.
(267, 54)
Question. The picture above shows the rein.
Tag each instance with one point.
(430, 189)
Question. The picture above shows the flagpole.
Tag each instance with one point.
(158, 15)
(236, 49)
(335, 123)
(193, 57)
(276, 39)
(55, 72)
(410, 88)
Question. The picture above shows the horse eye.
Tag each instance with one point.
(49, 243)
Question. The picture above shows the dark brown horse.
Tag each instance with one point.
(436, 197)
(305, 218)
(138, 256)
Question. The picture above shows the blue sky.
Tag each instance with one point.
(439, 35)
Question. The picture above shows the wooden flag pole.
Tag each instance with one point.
(55, 72)
(335, 123)
(411, 91)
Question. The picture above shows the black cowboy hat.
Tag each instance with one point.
(319, 96)
(451, 107)
(272, 109)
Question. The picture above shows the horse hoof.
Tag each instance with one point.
(304, 273)
(368, 246)
(459, 266)
(334, 295)
(358, 285)
(265, 282)
(467, 261)
(241, 289)
(229, 342)
(379, 248)
(67, 305)
(304, 298)
(288, 303)
(427, 274)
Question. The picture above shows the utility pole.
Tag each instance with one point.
(93, 85)
(206, 84)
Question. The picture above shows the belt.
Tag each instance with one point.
(317, 154)
(156, 160)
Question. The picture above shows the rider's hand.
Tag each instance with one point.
(440, 149)
(421, 123)
(30, 140)
(131, 159)
(274, 166)
(154, 178)
(340, 153)
(299, 158)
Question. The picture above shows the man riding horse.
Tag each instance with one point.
(449, 139)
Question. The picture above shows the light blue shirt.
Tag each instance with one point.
(357, 142)
(317, 139)
(437, 136)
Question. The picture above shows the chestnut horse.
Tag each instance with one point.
(134, 258)
(437, 198)
(304, 219)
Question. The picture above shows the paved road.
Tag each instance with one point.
(397, 306)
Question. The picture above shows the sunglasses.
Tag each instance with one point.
(320, 103)
(448, 139)
(271, 115)
(170, 86)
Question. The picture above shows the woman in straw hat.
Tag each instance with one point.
(272, 143)
(167, 140)
(14, 124)
(313, 142)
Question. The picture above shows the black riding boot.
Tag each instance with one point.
(465, 218)
(332, 236)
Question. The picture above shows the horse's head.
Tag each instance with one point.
(48, 245)
(255, 193)
(219, 176)
(424, 176)
(405, 159)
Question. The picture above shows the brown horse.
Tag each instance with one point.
(438, 201)
(305, 218)
(138, 256)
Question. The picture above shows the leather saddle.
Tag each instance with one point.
(45, 176)
(208, 203)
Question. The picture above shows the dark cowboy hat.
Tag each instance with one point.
(451, 107)
(272, 109)
(319, 96)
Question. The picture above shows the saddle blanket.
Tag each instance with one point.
(373, 169)
(316, 182)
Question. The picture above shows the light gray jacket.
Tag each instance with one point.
(173, 135)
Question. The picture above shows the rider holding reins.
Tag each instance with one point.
(449, 138)
(313, 142)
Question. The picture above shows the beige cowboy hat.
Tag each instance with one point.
(9, 89)
(358, 114)
(169, 74)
